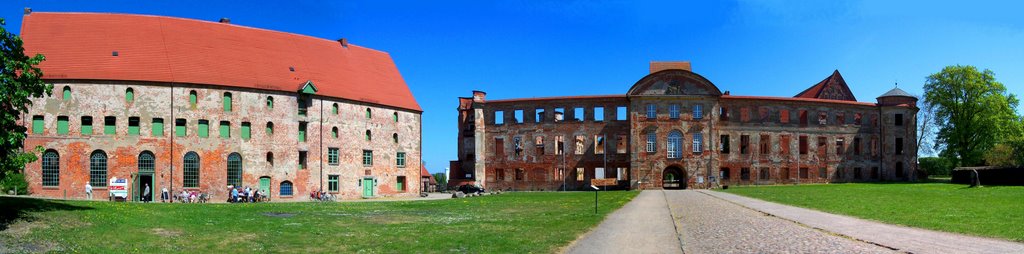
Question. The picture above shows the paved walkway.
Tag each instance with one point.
(643, 225)
(903, 239)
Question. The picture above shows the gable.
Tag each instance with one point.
(832, 87)
(674, 83)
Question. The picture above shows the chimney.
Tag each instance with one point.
(670, 65)
(344, 42)
(225, 20)
(28, 10)
(479, 96)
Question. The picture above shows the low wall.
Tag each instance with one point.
(990, 175)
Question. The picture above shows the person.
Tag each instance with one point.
(192, 197)
(145, 194)
(184, 196)
(88, 190)
(164, 195)
(234, 195)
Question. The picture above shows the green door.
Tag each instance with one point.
(367, 187)
(265, 185)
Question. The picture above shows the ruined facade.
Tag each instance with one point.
(193, 105)
(675, 129)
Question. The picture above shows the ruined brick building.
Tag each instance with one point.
(186, 104)
(676, 129)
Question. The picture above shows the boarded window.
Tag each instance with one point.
(580, 147)
(857, 118)
(500, 174)
(784, 116)
(270, 102)
(302, 132)
(744, 114)
(400, 183)
(129, 95)
(804, 173)
(158, 127)
(823, 173)
(227, 102)
(193, 98)
(179, 127)
(247, 130)
(110, 125)
(225, 129)
(763, 113)
(269, 129)
(803, 118)
(520, 174)
(499, 147)
(822, 146)
(765, 174)
(784, 174)
(840, 118)
(204, 128)
(67, 93)
(765, 139)
(745, 174)
(803, 144)
(368, 135)
(784, 144)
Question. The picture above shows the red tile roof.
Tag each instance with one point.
(168, 49)
(835, 81)
(425, 173)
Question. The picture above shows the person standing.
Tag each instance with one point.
(145, 194)
(164, 195)
(88, 191)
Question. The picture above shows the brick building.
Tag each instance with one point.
(195, 105)
(675, 129)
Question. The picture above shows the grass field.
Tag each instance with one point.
(989, 211)
(513, 222)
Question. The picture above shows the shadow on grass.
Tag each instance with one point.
(15, 209)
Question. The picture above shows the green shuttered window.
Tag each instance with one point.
(67, 93)
(133, 126)
(225, 129)
(246, 130)
(302, 131)
(129, 95)
(204, 128)
(179, 127)
(62, 125)
(37, 124)
(110, 125)
(158, 127)
(86, 128)
(227, 102)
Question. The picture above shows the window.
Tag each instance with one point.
(302, 132)
(559, 145)
(62, 125)
(856, 146)
(857, 174)
(899, 146)
(839, 146)
(204, 128)
(334, 132)
(698, 111)
(822, 145)
(98, 169)
(620, 174)
(673, 111)
(698, 142)
(303, 107)
(51, 169)
(652, 111)
(110, 125)
(400, 159)
(579, 174)
(67, 93)
(765, 174)
(599, 144)
(822, 118)
(822, 173)
(580, 148)
(763, 113)
(744, 144)
(599, 114)
(803, 145)
(192, 99)
(599, 173)
(744, 114)
(874, 172)
(499, 117)
(158, 127)
(784, 116)
(517, 145)
(191, 170)
(394, 116)
(621, 113)
(652, 142)
(270, 158)
(745, 174)
(499, 147)
(784, 144)
(270, 102)
(784, 174)
(674, 145)
(303, 157)
(334, 108)
(538, 115)
(367, 158)
(332, 183)
(332, 156)
(133, 126)
(765, 139)
(559, 114)
(246, 130)
(803, 118)
(86, 128)
(520, 174)
(723, 113)
(286, 188)
(400, 184)
(234, 169)
(539, 144)
(369, 113)
(225, 129)
(723, 173)
(270, 128)
(724, 144)
(500, 174)
(179, 127)
(578, 114)
(518, 115)
(129, 95)
(840, 118)
(620, 144)
(899, 120)
(857, 118)
(227, 102)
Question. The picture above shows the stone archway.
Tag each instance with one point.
(673, 178)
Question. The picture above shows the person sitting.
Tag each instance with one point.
(234, 195)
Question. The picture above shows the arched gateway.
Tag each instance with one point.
(673, 178)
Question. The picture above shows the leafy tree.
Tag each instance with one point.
(1000, 155)
(936, 166)
(22, 80)
(442, 181)
(972, 111)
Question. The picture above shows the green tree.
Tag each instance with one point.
(442, 181)
(972, 111)
(1000, 155)
(22, 80)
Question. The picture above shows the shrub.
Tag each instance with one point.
(14, 181)
(936, 165)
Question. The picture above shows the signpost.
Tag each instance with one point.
(118, 187)
(595, 197)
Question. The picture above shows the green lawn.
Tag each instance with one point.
(538, 222)
(989, 211)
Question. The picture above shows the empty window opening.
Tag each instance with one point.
(578, 114)
(899, 146)
(303, 157)
(580, 147)
(803, 145)
(559, 145)
(302, 131)
(765, 140)
(538, 115)
(599, 144)
(598, 114)
(539, 144)
(517, 145)
(899, 120)
(744, 144)
(620, 144)
(745, 174)
(559, 114)
(621, 113)
(765, 174)
(723, 144)
(499, 117)
(518, 115)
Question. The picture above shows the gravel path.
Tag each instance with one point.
(710, 225)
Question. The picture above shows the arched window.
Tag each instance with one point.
(129, 95)
(395, 117)
(67, 93)
(98, 169)
(270, 128)
(51, 168)
(286, 188)
(147, 162)
(395, 137)
(334, 108)
(675, 145)
(368, 137)
(334, 132)
(270, 102)
(270, 158)
(367, 113)
(234, 169)
(193, 98)
(191, 170)
(227, 102)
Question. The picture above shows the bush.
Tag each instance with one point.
(14, 181)
(936, 165)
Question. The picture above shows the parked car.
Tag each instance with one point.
(469, 188)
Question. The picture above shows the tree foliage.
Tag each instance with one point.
(1000, 155)
(973, 112)
(936, 166)
(22, 80)
(442, 181)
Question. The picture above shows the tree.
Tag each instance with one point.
(442, 181)
(1000, 155)
(973, 112)
(22, 80)
(926, 130)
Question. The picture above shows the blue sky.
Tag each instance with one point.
(513, 49)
